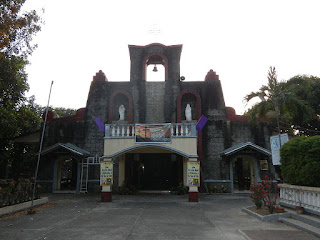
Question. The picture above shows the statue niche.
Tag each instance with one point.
(122, 111)
(188, 112)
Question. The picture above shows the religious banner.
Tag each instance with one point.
(153, 133)
(193, 174)
(275, 146)
(201, 123)
(100, 124)
(106, 173)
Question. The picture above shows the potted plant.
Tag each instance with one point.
(279, 209)
(299, 209)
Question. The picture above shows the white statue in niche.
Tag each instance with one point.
(188, 112)
(122, 111)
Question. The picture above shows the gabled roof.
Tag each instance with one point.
(241, 146)
(69, 147)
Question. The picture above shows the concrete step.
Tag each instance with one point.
(308, 219)
(301, 225)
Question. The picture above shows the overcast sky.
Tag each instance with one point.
(239, 40)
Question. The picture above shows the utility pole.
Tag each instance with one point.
(31, 211)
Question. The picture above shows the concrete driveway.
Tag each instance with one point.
(145, 217)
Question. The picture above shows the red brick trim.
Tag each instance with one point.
(114, 94)
(233, 117)
(156, 44)
(74, 118)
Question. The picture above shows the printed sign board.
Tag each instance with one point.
(263, 164)
(106, 173)
(275, 147)
(152, 133)
(193, 174)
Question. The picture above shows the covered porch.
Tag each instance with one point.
(248, 163)
(60, 168)
(148, 164)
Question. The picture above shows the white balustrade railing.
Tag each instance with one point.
(307, 197)
(128, 130)
(183, 130)
(119, 130)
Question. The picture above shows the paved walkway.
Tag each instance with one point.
(145, 217)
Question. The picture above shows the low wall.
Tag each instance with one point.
(307, 197)
(22, 206)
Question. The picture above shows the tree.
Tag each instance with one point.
(306, 88)
(278, 105)
(17, 29)
(17, 114)
(63, 112)
(59, 111)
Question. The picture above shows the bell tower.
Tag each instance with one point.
(155, 102)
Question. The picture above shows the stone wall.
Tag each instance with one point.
(156, 102)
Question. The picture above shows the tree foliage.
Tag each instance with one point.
(17, 113)
(307, 88)
(17, 29)
(300, 159)
(59, 111)
(283, 103)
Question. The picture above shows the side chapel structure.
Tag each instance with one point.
(232, 154)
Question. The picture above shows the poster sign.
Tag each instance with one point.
(106, 173)
(193, 174)
(153, 133)
(275, 147)
(263, 164)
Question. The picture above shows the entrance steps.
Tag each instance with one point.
(160, 192)
(304, 222)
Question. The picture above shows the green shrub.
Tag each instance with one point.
(300, 159)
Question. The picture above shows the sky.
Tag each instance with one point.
(239, 40)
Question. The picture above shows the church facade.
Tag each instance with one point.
(148, 134)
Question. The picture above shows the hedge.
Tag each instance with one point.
(300, 159)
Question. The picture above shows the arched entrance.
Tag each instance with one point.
(66, 174)
(243, 173)
(153, 171)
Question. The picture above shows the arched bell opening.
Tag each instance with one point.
(155, 73)
(155, 68)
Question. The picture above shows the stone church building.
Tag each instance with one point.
(147, 131)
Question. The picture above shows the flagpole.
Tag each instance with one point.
(31, 211)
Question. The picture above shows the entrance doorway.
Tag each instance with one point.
(66, 179)
(151, 171)
(243, 174)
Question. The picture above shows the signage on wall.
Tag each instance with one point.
(263, 164)
(275, 147)
(193, 174)
(153, 133)
(106, 173)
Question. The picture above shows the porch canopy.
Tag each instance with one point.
(245, 148)
(68, 147)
